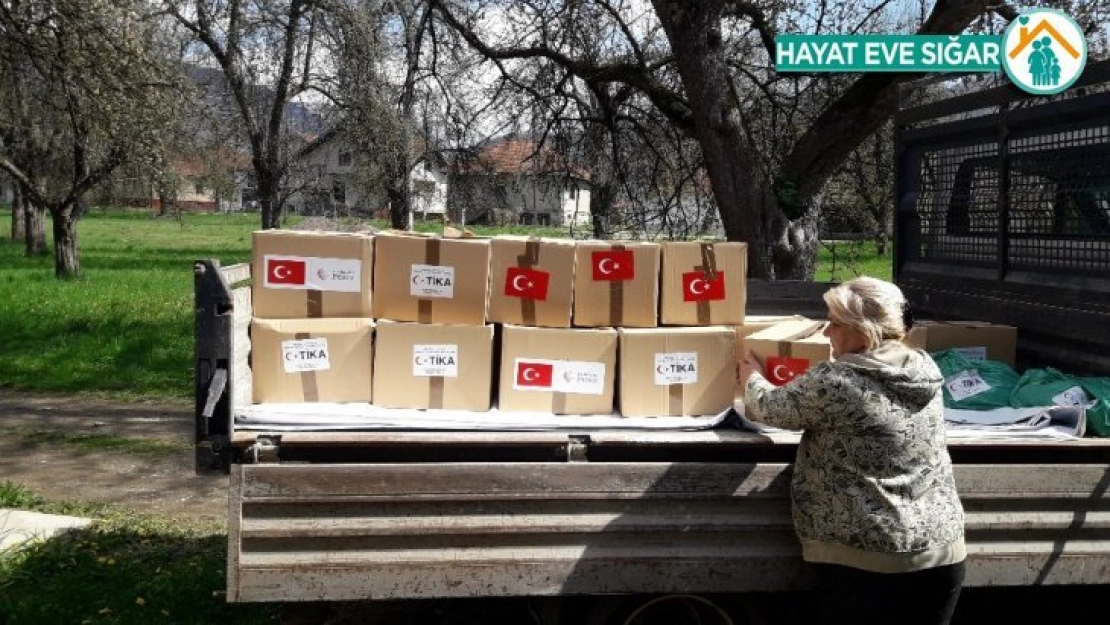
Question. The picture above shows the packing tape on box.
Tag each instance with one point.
(431, 257)
(435, 391)
(314, 303)
(528, 260)
(558, 403)
(616, 297)
(709, 268)
(785, 344)
(309, 384)
(674, 399)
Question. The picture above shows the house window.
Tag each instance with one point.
(572, 192)
(344, 158)
(339, 192)
(198, 188)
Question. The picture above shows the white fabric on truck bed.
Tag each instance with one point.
(359, 416)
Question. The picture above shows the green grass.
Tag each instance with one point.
(124, 568)
(124, 328)
(838, 261)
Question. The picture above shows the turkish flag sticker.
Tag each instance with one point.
(534, 374)
(285, 270)
(613, 265)
(697, 287)
(783, 369)
(527, 283)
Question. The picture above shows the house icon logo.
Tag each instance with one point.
(1044, 51)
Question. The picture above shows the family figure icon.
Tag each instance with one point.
(1044, 67)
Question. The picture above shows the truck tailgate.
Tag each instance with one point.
(717, 520)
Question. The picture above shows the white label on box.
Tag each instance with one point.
(676, 368)
(966, 384)
(584, 378)
(972, 353)
(305, 355)
(1073, 396)
(430, 361)
(432, 281)
(312, 273)
(559, 376)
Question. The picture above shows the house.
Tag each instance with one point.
(325, 179)
(202, 185)
(208, 187)
(514, 180)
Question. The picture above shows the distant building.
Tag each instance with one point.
(325, 180)
(514, 180)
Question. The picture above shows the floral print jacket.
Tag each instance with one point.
(872, 486)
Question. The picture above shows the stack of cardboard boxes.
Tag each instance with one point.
(312, 331)
(526, 324)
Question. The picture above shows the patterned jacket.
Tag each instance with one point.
(873, 486)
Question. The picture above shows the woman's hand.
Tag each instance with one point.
(747, 367)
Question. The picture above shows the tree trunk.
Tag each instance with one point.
(19, 216)
(66, 263)
(750, 210)
(35, 235)
(601, 205)
(398, 206)
(268, 199)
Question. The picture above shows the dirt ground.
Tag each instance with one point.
(158, 483)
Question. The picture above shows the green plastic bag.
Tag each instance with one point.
(1048, 387)
(1098, 413)
(975, 384)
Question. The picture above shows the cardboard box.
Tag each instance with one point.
(616, 284)
(312, 360)
(561, 371)
(755, 323)
(531, 281)
(977, 340)
(311, 274)
(677, 371)
(431, 279)
(790, 348)
(419, 365)
(703, 283)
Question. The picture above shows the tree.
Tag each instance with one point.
(703, 78)
(266, 50)
(91, 90)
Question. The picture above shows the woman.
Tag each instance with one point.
(875, 504)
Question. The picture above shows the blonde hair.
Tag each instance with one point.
(870, 306)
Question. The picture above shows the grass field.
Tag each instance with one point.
(125, 568)
(124, 328)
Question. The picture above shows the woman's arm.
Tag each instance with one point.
(794, 406)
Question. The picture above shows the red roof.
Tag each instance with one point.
(519, 156)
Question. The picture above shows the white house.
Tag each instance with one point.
(511, 180)
(324, 179)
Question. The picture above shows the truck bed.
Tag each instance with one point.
(405, 514)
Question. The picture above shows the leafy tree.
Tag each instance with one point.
(91, 89)
(267, 51)
(706, 66)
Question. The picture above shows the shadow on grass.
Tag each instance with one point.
(123, 569)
